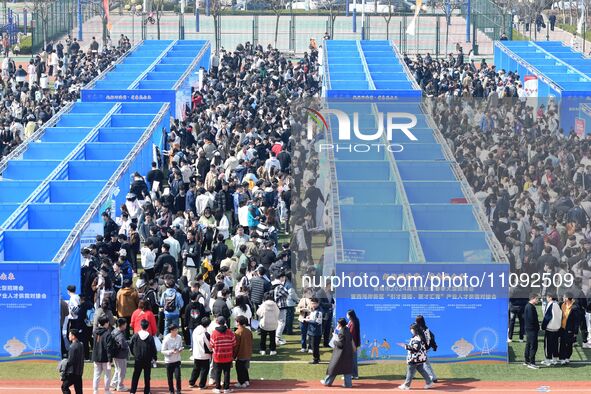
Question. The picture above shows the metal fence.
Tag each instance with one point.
(59, 18)
(432, 32)
(492, 19)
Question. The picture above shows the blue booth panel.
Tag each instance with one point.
(54, 216)
(16, 191)
(118, 120)
(363, 170)
(444, 217)
(29, 169)
(120, 134)
(365, 192)
(91, 170)
(450, 247)
(65, 134)
(33, 245)
(88, 120)
(91, 108)
(6, 210)
(420, 152)
(369, 245)
(74, 191)
(372, 217)
(345, 152)
(433, 192)
(48, 150)
(107, 150)
(140, 108)
(156, 85)
(426, 171)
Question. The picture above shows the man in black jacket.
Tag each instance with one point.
(75, 365)
(258, 287)
(102, 354)
(532, 327)
(569, 328)
(220, 306)
(143, 349)
(110, 226)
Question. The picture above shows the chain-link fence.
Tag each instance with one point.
(492, 19)
(53, 20)
(433, 33)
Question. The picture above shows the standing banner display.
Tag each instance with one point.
(444, 303)
(30, 310)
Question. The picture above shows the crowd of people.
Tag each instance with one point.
(532, 179)
(31, 94)
(197, 258)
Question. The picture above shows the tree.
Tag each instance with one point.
(331, 6)
(277, 6)
(388, 17)
(158, 6)
(43, 9)
(215, 9)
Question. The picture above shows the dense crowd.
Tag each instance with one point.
(210, 243)
(532, 179)
(31, 94)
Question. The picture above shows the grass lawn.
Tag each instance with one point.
(291, 364)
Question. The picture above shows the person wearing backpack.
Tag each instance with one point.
(430, 344)
(201, 354)
(120, 356)
(102, 354)
(171, 302)
(143, 348)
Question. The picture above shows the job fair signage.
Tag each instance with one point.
(464, 304)
(30, 311)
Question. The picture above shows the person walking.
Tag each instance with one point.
(201, 351)
(415, 358)
(143, 348)
(355, 330)
(341, 362)
(172, 348)
(102, 355)
(569, 328)
(303, 310)
(532, 327)
(314, 321)
(223, 342)
(127, 303)
(74, 368)
(268, 313)
(430, 344)
(243, 351)
(551, 326)
(280, 295)
(172, 303)
(120, 356)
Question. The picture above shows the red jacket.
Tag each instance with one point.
(139, 315)
(223, 341)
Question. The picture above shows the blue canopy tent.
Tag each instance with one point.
(408, 211)
(563, 75)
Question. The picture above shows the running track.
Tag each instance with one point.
(361, 386)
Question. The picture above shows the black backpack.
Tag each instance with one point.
(170, 303)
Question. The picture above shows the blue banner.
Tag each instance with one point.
(131, 96)
(30, 310)
(466, 308)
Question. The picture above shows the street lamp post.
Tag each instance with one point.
(136, 10)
